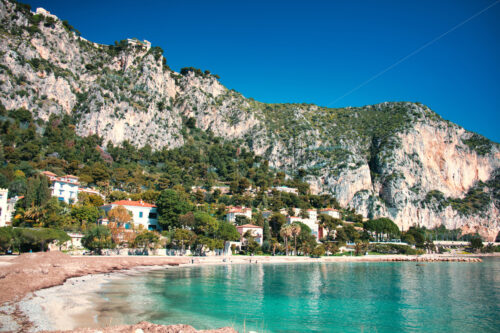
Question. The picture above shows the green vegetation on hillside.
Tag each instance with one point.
(477, 199)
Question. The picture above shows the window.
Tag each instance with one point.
(61, 192)
(151, 227)
(152, 215)
(140, 214)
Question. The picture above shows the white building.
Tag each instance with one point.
(238, 211)
(135, 42)
(4, 210)
(267, 214)
(143, 213)
(11, 208)
(286, 189)
(330, 212)
(312, 223)
(64, 188)
(256, 231)
(90, 191)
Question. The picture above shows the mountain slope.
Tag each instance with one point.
(399, 160)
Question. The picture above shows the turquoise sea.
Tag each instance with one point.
(317, 297)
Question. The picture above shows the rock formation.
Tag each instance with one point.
(398, 159)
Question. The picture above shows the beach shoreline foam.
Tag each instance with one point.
(54, 291)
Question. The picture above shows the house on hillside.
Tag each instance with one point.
(143, 213)
(222, 189)
(331, 212)
(312, 223)
(286, 189)
(256, 231)
(65, 188)
(267, 214)
(90, 191)
(238, 211)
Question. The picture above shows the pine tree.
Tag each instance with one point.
(266, 232)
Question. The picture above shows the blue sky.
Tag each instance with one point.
(317, 51)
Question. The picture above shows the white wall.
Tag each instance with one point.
(3, 207)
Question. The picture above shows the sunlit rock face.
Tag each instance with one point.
(384, 160)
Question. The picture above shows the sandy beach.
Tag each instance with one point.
(55, 291)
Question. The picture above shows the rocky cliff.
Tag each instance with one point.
(399, 160)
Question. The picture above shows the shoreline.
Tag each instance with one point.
(55, 276)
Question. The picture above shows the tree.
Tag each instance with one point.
(318, 251)
(227, 232)
(241, 220)
(117, 196)
(329, 223)
(191, 123)
(90, 199)
(187, 220)
(84, 214)
(251, 244)
(98, 238)
(170, 205)
(415, 236)
(38, 239)
(382, 226)
(147, 240)
(360, 248)
(183, 237)
(332, 247)
(37, 191)
(295, 230)
(33, 215)
(274, 245)
(7, 239)
(204, 224)
(285, 233)
(119, 215)
(476, 243)
(266, 233)
(276, 221)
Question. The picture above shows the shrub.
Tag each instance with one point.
(393, 249)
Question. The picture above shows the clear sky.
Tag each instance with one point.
(317, 51)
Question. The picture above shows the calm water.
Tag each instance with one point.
(330, 297)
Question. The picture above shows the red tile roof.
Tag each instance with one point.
(132, 203)
(248, 226)
(329, 210)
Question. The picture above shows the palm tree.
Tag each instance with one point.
(285, 232)
(33, 215)
(295, 229)
(274, 244)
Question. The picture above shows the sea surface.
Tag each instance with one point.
(316, 297)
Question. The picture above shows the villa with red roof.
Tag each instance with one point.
(65, 188)
(143, 213)
(238, 211)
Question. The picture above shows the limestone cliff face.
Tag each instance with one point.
(399, 160)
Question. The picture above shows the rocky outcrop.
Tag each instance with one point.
(383, 160)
